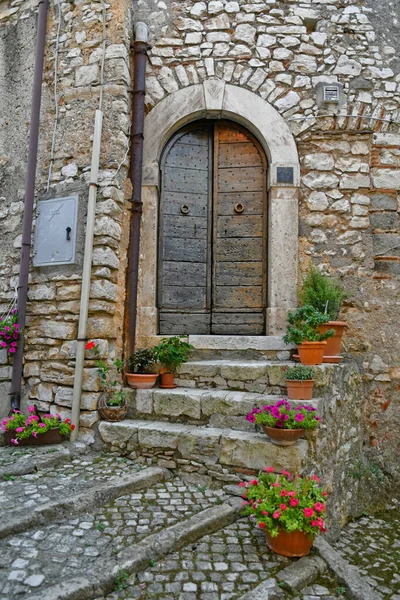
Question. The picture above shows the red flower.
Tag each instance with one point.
(253, 482)
(68, 420)
(319, 507)
(261, 525)
(277, 514)
(275, 485)
(90, 345)
(293, 502)
(72, 427)
(264, 512)
(308, 512)
(269, 469)
(324, 494)
(283, 493)
(282, 506)
(315, 478)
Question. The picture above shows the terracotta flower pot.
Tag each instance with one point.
(311, 353)
(295, 543)
(333, 344)
(168, 381)
(53, 436)
(283, 437)
(141, 381)
(299, 390)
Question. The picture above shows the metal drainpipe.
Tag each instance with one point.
(15, 393)
(135, 173)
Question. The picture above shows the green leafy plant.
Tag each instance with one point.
(10, 332)
(303, 326)
(142, 360)
(8, 477)
(281, 416)
(100, 527)
(121, 580)
(34, 425)
(285, 503)
(323, 293)
(299, 373)
(173, 352)
(117, 396)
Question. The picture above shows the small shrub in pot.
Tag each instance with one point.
(141, 364)
(172, 353)
(303, 330)
(299, 382)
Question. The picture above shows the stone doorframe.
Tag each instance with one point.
(214, 99)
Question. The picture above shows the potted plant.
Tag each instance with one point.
(140, 364)
(282, 424)
(33, 429)
(112, 404)
(299, 382)
(303, 330)
(172, 353)
(326, 295)
(290, 509)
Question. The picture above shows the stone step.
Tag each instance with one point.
(211, 446)
(261, 347)
(218, 408)
(259, 376)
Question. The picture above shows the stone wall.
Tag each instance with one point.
(54, 292)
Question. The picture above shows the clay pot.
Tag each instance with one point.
(333, 344)
(111, 413)
(299, 390)
(311, 353)
(168, 381)
(141, 381)
(53, 436)
(295, 543)
(283, 437)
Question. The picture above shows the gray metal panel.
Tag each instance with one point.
(55, 233)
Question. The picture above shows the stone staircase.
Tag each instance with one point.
(200, 426)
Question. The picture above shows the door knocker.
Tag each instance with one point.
(184, 209)
(239, 207)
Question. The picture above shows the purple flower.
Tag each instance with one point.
(299, 418)
(275, 413)
(279, 423)
(285, 417)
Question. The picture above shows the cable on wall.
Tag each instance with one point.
(56, 99)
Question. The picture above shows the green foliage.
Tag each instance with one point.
(299, 373)
(142, 360)
(285, 502)
(363, 469)
(173, 352)
(303, 326)
(100, 527)
(153, 562)
(322, 292)
(8, 477)
(121, 580)
(118, 398)
(218, 500)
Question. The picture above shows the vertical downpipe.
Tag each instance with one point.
(16, 383)
(135, 173)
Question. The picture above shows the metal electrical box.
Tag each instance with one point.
(55, 234)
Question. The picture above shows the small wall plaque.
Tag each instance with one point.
(285, 175)
(55, 233)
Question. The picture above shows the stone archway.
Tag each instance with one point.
(214, 99)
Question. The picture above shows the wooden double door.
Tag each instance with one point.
(212, 232)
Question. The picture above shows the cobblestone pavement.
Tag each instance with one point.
(27, 491)
(43, 556)
(10, 454)
(373, 545)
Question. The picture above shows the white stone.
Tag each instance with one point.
(116, 51)
(360, 148)
(349, 238)
(282, 54)
(167, 80)
(304, 63)
(289, 41)
(266, 40)
(359, 222)
(34, 580)
(86, 75)
(245, 33)
(318, 38)
(347, 66)
(198, 9)
(17, 575)
(218, 36)
(341, 206)
(317, 201)
(386, 178)
(317, 181)
(193, 38)
(319, 161)
(288, 101)
(360, 199)
(70, 170)
(218, 22)
(318, 237)
(232, 7)
(359, 210)
(215, 6)
(353, 182)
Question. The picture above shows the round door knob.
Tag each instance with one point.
(239, 207)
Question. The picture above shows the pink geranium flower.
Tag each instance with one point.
(282, 506)
(319, 507)
(269, 469)
(277, 514)
(15, 442)
(293, 502)
(308, 512)
(20, 429)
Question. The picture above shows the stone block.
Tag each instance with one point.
(383, 202)
(196, 369)
(354, 182)
(176, 403)
(69, 292)
(385, 220)
(41, 292)
(56, 329)
(120, 432)
(243, 371)
(3, 356)
(86, 75)
(320, 161)
(386, 243)
(5, 373)
(58, 373)
(255, 451)
(88, 418)
(386, 178)
(160, 435)
(144, 401)
(276, 375)
(201, 444)
(226, 403)
(89, 401)
(91, 380)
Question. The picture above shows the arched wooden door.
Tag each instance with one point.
(212, 236)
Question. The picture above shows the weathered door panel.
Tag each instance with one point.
(239, 257)
(184, 248)
(212, 251)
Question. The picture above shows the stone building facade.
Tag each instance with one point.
(263, 65)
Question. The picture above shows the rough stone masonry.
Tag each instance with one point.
(283, 51)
